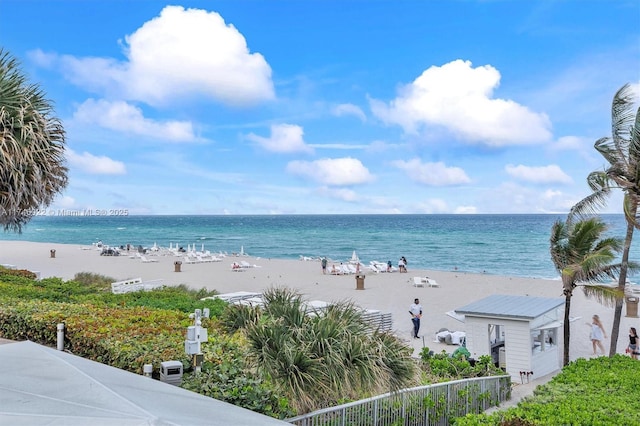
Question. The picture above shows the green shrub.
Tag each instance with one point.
(444, 367)
(225, 376)
(16, 273)
(97, 281)
(599, 391)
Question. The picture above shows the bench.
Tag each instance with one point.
(135, 284)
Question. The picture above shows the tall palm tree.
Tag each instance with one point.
(583, 257)
(32, 143)
(622, 152)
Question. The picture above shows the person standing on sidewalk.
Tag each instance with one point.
(416, 313)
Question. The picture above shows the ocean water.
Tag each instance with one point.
(514, 245)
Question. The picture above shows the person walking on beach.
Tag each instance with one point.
(633, 343)
(416, 313)
(324, 265)
(597, 334)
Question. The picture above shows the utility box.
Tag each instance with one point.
(191, 347)
(196, 335)
(171, 372)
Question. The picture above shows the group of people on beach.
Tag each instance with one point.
(598, 334)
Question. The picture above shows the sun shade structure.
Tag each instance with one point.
(40, 385)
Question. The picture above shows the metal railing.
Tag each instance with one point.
(424, 405)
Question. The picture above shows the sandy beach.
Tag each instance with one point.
(387, 292)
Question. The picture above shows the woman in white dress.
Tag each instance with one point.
(597, 334)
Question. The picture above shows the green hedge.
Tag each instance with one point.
(599, 391)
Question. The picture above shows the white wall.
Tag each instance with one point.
(518, 352)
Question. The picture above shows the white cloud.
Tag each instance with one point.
(458, 97)
(433, 174)
(466, 210)
(181, 53)
(544, 174)
(433, 206)
(332, 171)
(65, 202)
(125, 118)
(510, 197)
(284, 138)
(571, 143)
(349, 109)
(343, 194)
(92, 164)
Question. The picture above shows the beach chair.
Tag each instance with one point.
(418, 282)
(431, 282)
(144, 259)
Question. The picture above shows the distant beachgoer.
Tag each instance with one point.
(634, 351)
(416, 313)
(334, 271)
(389, 266)
(324, 265)
(401, 265)
(597, 334)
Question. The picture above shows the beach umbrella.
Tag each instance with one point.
(241, 250)
(202, 249)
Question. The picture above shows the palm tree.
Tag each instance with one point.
(321, 357)
(622, 152)
(32, 143)
(582, 256)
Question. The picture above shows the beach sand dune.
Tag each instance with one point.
(386, 292)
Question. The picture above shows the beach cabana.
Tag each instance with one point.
(521, 333)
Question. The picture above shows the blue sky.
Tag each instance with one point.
(300, 107)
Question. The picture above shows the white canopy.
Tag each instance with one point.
(40, 385)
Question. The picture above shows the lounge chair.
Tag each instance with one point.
(431, 282)
(144, 259)
(418, 282)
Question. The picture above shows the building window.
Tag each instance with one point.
(544, 339)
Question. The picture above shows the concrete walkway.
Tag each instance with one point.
(520, 390)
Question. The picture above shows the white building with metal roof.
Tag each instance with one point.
(521, 333)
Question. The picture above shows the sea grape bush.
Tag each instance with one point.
(130, 330)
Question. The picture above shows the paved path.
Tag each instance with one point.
(520, 391)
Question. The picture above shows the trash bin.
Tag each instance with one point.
(359, 282)
(632, 306)
(53, 253)
(177, 266)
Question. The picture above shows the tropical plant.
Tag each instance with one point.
(622, 152)
(320, 357)
(597, 391)
(32, 144)
(583, 257)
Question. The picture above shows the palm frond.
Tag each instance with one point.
(605, 295)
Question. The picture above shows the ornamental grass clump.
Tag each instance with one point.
(319, 357)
